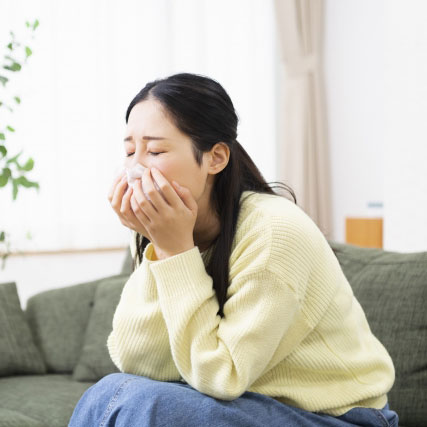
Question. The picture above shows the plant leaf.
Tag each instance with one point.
(3, 150)
(28, 51)
(17, 99)
(3, 180)
(14, 189)
(7, 172)
(2, 137)
(14, 159)
(10, 46)
(10, 128)
(3, 80)
(25, 183)
(36, 24)
(28, 165)
(14, 67)
(2, 236)
(4, 177)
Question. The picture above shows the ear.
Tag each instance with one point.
(219, 156)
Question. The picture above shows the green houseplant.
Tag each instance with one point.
(12, 169)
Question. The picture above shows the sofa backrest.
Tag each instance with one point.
(58, 319)
(392, 289)
(127, 263)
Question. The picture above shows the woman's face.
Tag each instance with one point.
(154, 141)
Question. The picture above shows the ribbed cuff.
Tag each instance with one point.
(182, 274)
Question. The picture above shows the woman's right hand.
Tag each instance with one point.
(119, 197)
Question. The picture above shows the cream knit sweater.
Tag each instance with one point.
(292, 330)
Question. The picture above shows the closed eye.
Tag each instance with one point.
(150, 152)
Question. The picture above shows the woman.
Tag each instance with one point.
(237, 312)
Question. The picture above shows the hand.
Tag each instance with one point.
(119, 197)
(169, 216)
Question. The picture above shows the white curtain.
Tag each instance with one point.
(303, 152)
(90, 58)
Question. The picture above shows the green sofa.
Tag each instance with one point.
(51, 353)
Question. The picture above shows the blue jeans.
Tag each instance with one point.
(126, 400)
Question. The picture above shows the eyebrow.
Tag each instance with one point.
(129, 138)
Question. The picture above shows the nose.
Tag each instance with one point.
(137, 158)
(135, 161)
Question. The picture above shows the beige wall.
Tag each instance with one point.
(354, 72)
(376, 67)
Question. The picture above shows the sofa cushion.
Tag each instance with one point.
(58, 320)
(95, 361)
(18, 353)
(10, 418)
(48, 399)
(392, 289)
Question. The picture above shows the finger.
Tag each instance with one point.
(142, 202)
(152, 193)
(119, 190)
(186, 196)
(126, 214)
(125, 204)
(113, 185)
(166, 189)
(122, 206)
(139, 213)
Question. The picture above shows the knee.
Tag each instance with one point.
(110, 388)
(123, 399)
(91, 407)
(113, 379)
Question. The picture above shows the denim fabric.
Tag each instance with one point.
(126, 400)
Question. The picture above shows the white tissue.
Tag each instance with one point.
(136, 172)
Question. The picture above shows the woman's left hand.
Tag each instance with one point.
(169, 218)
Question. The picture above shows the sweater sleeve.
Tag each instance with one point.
(222, 357)
(139, 342)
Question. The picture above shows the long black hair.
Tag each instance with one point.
(202, 109)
